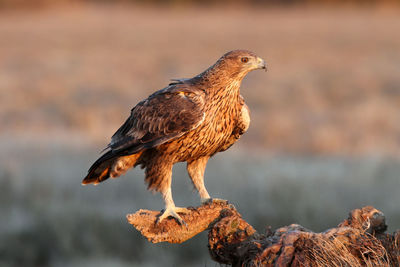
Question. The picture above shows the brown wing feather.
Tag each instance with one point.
(166, 114)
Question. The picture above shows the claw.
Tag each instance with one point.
(173, 212)
(211, 200)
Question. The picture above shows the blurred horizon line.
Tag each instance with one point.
(45, 4)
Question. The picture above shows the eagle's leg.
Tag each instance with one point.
(171, 209)
(196, 170)
(163, 184)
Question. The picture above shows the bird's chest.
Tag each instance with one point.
(222, 122)
(223, 112)
(212, 134)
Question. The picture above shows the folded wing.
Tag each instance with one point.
(165, 115)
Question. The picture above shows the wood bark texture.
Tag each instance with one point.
(360, 240)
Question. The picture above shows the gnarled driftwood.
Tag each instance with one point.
(359, 240)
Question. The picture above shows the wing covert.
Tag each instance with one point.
(165, 115)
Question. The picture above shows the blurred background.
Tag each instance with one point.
(324, 138)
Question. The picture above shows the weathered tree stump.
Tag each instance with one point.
(359, 240)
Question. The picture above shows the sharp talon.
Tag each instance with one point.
(213, 200)
(173, 212)
(206, 201)
(220, 200)
(184, 223)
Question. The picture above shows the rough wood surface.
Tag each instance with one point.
(198, 220)
(360, 240)
(357, 241)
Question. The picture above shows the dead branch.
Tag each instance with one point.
(198, 220)
(359, 240)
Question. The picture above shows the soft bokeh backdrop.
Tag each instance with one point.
(324, 139)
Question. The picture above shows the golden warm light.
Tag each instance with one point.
(324, 136)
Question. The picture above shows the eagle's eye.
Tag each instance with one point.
(244, 59)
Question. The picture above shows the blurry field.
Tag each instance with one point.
(82, 69)
(49, 219)
(324, 139)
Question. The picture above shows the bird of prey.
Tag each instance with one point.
(188, 121)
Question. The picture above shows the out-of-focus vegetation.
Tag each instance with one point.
(324, 137)
(49, 219)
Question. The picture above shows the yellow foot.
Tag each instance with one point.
(211, 200)
(173, 212)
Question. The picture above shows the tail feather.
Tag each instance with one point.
(110, 165)
(100, 170)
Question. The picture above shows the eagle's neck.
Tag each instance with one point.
(222, 93)
(219, 80)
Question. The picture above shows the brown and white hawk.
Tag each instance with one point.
(189, 120)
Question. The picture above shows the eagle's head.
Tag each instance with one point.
(240, 62)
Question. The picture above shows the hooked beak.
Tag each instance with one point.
(261, 64)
